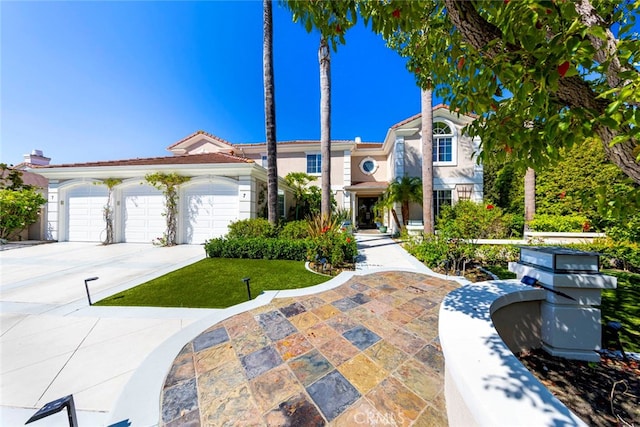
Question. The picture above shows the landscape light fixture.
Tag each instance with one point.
(86, 286)
(246, 282)
(56, 406)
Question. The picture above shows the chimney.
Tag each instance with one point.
(36, 158)
(358, 140)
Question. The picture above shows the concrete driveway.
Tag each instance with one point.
(53, 343)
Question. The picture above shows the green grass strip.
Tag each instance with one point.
(623, 305)
(216, 283)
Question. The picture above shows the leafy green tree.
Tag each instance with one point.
(19, 203)
(169, 183)
(580, 178)
(299, 182)
(405, 190)
(546, 73)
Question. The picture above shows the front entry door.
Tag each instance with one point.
(366, 217)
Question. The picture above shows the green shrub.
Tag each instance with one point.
(497, 254)
(247, 228)
(257, 248)
(629, 231)
(336, 248)
(615, 253)
(470, 220)
(433, 251)
(559, 223)
(294, 230)
(514, 223)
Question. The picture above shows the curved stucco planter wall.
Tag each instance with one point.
(485, 384)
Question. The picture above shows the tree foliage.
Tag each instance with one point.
(169, 183)
(404, 190)
(19, 203)
(541, 74)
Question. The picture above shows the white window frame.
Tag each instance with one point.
(318, 164)
(454, 143)
(264, 160)
(368, 159)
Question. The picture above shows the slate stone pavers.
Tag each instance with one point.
(361, 337)
(367, 350)
(275, 325)
(260, 361)
(333, 394)
(210, 338)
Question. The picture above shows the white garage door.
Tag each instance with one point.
(209, 210)
(85, 217)
(143, 219)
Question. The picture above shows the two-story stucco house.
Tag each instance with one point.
(228, 181)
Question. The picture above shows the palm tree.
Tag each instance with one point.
(404, 191)
(426, 98)
(270, 112)
(324, 58)
(529, 196)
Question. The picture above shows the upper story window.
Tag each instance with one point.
(314, 163)
(443, 138)
(368, 166)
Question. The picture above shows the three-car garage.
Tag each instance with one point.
(206, 208)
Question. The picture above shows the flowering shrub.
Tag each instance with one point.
(332, 246)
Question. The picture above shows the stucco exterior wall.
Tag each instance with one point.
(381, 174)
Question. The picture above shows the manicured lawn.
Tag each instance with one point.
(502, 271)
(623, 305)
(216, 283)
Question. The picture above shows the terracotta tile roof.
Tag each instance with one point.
(294, 142)
(417, 116)
(186, 159)
(369, 145)
(200, 132)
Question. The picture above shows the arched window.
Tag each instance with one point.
(442, 142)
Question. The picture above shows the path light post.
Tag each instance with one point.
(56, 406)
(246, 282)
(86, 286)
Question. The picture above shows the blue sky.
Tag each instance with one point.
(86, 81)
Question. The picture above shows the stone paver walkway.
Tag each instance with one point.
(364, 353)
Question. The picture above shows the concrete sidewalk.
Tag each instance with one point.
(53, 343)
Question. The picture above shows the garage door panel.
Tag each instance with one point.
(85, 213)
(209, 210)
(143, 220)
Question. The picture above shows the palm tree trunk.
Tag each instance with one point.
(529, 196)
(324, 58)
(270, 113)
(426, 98)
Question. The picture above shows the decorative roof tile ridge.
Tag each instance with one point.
(232, 155)
(200, 132)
